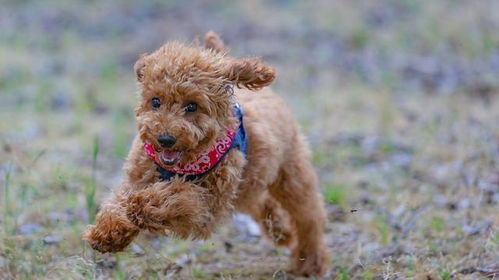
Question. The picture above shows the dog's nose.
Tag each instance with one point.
(166, 141)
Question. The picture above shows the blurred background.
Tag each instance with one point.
(399, 100)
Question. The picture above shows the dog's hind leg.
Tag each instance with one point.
(297, 192)
(273, 219)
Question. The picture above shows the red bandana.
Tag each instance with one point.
(203, 162)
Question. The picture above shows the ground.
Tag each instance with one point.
(399, 100)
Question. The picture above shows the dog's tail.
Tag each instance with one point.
(214, 42)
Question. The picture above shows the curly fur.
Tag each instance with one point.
(275, 183)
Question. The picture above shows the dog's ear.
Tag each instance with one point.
(139, 67)
(213, 42)
(250, 73)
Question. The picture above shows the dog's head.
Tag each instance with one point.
(186, 101)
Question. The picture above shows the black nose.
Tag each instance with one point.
(166, 141)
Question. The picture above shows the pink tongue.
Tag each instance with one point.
(170, 154)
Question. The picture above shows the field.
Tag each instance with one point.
(399, 100)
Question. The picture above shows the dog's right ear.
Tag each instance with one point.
(250, 73)
(139, 67)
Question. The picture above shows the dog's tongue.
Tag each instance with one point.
(170, 157)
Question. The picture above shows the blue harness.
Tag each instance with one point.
(240, 141)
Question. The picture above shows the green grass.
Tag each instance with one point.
(343, 275)
(92, 184)
(436, 224)
(446, 275)
(7, 212)
(384, 231)
(336, 195)
(198, 274)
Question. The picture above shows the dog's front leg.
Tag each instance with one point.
(112, 231)
(175, 207)
(188, 209)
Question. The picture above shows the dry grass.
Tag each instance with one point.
(398, 98)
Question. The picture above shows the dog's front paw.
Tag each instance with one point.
(110, 237)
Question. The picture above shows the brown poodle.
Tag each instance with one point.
(214, 139)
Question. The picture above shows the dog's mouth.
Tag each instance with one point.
(170, 157)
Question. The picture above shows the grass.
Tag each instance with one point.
(335, 195)
(383, 229)
(7, 212)
(398, 100)
(92, 184)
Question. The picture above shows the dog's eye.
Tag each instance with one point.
(191, 107)
(155, 103)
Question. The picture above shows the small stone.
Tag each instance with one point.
(245, 224)
(51, 240)
(183, 260)
(137, 250)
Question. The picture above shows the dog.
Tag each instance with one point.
(214, 139)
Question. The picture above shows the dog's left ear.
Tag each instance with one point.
(139, 67)
(250, 73)
(213, 42)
